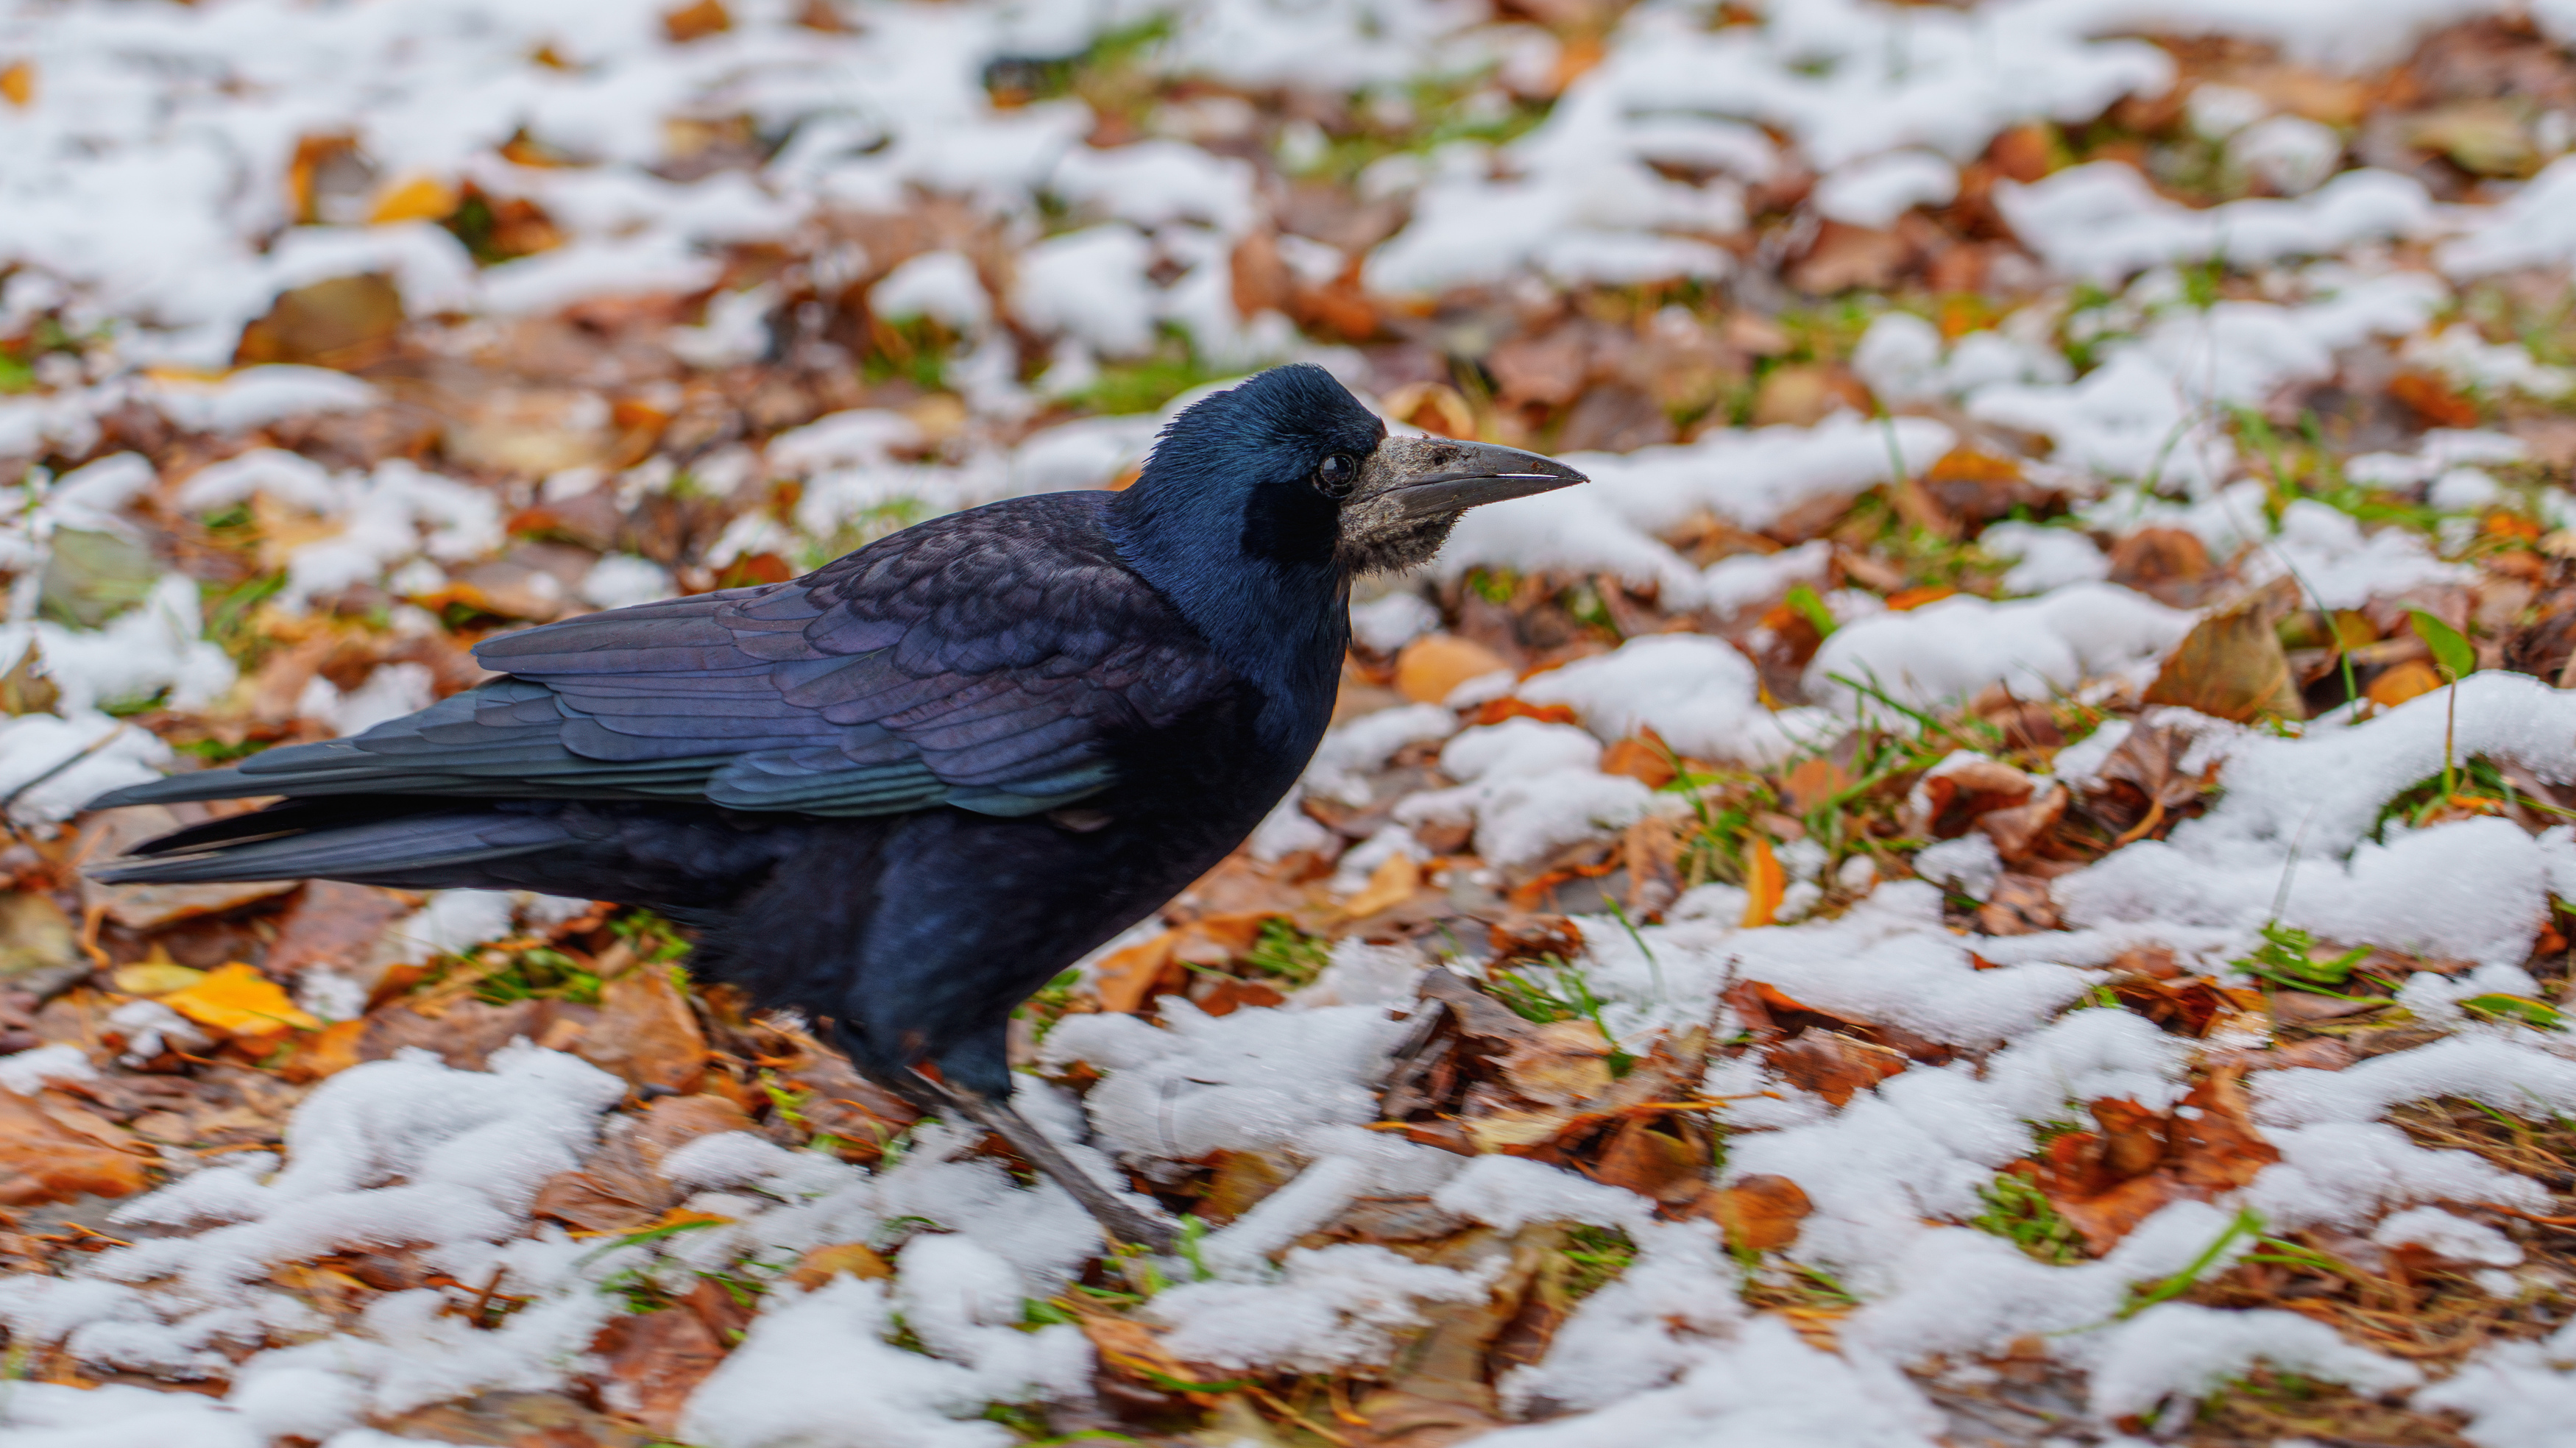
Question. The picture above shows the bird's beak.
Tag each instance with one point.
(1441, 477)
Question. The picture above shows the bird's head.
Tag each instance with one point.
(1290, 468)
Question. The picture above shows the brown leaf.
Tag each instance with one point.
(2020, 831)
(696, 21)
(43, 1160)
(1802, 394)
(822, 1264)
(332, 927)
(2105, 1217)
(1647, 761)
(1655, 1164)
(646, 1032)
(518, 1420)
(1758, 1213)
(674, 1121)
(2167, 564)
(143, 907)
(1548, 370)
(1833, 1065)
(594, 1204)
(2133, 1138)
(2018, 905)
(464, 1035)
(1615, 417)
(325, 1052)
(1128, 977)
(1812, 782)
(1240, 1181)
(1845, 257)
(1433, 665)
(2215, 1146)
(2398, 683)
(344, 322)
(1950, 801)
(655, 1361)
(1562, 1063)
(2231, 666)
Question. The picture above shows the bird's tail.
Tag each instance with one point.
(368, 841)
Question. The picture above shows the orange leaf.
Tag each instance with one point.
(1643, 759)
(1432, 665)
(1904, 599)
(240, 1001)
(1126, 979)
(18, 83)
(1758, 1213)
(2399, 683)
(422, 198)
(1812, 783)
(1765, 883)
(1393, 883)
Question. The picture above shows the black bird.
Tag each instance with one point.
(906, 790)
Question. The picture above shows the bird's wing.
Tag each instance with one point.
(982, 660)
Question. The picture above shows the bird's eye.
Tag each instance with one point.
(1336, 475)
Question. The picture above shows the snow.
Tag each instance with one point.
(148, 199)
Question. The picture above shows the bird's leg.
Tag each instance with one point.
(1119, 1219)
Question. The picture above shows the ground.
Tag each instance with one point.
(2001, 876)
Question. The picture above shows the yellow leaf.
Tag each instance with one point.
(18, 82)
(2397, 684)
(239, 1001)
(1390, 885)
(1765, 883)
(421, 198)
(156, 977)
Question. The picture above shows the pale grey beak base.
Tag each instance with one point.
(1480, 473)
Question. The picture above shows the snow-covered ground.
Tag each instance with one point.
(168, 172)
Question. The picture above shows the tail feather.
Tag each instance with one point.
(297, 841)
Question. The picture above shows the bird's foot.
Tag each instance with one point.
(1119, 1220)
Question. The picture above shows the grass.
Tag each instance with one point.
(2020, 1213)
(1145, 384)
(1596, 1257)
(1287, 954)
(539, 973)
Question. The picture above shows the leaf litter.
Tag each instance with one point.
(1997, 878)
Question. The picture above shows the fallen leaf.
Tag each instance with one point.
(419, 198)
(1562, 1063)
(1395, 881)
(1654, 1164)
(655, 1360)
(156, 975)
(2018, 832)
(343, 322)
(1648, 761)
(1125, 978)
(646, 1033)
(2018, 905)
(2216, 1147)
(519, 1420)
(325, 1052)
(2133, 1138)
(41, 1160)
(2433, 400)
(240, 1001)
(1435, 407)
(1803, 394)
(1832, 1065)
(18, 83)
(696, 22)
(2398, 683)
(2230, 666)
(1949, 800)
(2167, 564)
(822, 1264)
(1432, 666)
(1758, 1213)
(1765, 883)
(1807, 787)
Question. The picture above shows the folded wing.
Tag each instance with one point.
(984, 660)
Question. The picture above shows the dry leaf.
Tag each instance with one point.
(697, 21)
(1765, 883)
(326, 1052)
(2231, 666)
(1393, 882)
(1432, 666)
(1814, 781)
(1833, 1065)
(822, 1264)
(646, 1033)
(240, 1001)
(655, 1360)
(1562, 1063)
(18, 83)
(1647, 760)
(42, 1160)
(1653, 1164)
(2400, 682)
(2020, 831)
(1758, 1213)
